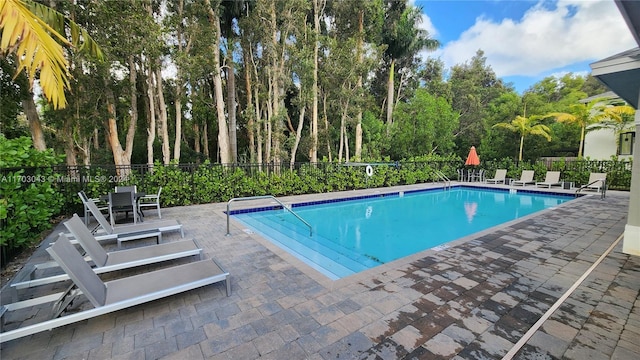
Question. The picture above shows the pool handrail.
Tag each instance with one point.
(443, 177)
(603, 189)
(285, 207)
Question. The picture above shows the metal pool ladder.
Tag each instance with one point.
(443, 177)
(603, 189)
(285, 207)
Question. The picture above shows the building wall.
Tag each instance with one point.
(600, 144)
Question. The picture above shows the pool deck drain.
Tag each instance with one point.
(473, 300)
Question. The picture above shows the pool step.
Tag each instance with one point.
(337, 261)
(299, 233)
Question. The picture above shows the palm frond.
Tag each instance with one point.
(34, 33)
(58, 23)
(564, 117)
(541, 130)
(29, 38)
(618, 111)
(506, 126)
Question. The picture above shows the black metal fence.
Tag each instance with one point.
(191, 178)
(99, 179)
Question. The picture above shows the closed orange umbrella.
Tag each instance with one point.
(473, 158)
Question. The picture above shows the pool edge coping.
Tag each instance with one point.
(407, 260)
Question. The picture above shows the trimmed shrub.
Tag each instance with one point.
(28, 199)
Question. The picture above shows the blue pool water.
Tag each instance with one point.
(350, 236)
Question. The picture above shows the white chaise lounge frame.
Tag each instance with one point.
(116, 260)
(120, 293)
(596, 181)
(552, 178)
(525, 178)
(499, 177)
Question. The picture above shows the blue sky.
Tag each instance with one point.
(526, 41)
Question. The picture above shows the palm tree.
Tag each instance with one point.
(404, 40)
(526, 126)
(33, 33)
(592, 112)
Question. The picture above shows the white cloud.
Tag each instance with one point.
(426, 24)
(545, 38)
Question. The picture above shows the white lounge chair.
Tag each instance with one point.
(111, 261)
(525, 178)
(551, 179)
(113, 295)
(499, 177)
(152, 200)
(132, 232)
(596, 181)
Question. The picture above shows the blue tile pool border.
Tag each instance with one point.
(396, 194)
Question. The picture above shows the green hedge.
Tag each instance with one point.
(208, 183)
(28, 198)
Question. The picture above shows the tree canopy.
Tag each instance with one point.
(274, 81)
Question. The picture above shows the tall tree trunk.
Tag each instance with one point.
(96, 140)
(71, 151)
(223, 131)
(260, 144)
(275, 121)
(177, 141)
(205, 140)
(313, 153)
(269, 119)
(294, 149)
(196, 135)
(35, 127)
(86, 151)
(257, 124)
(326, 125)
(521, 146)
(390, 96)
(360, 58)
(341, 145)
(151, 126)
(231, 105)
(346, 145)
(343, 131)
(163, 120)
(111, 131)
(582, 142)
(133, 90)
(179, 84)
(121, 157)
(69, 143)
(249, 111)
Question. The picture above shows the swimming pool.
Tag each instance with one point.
(355, 234)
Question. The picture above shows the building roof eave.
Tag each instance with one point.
(630, 11)
(621, 74)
